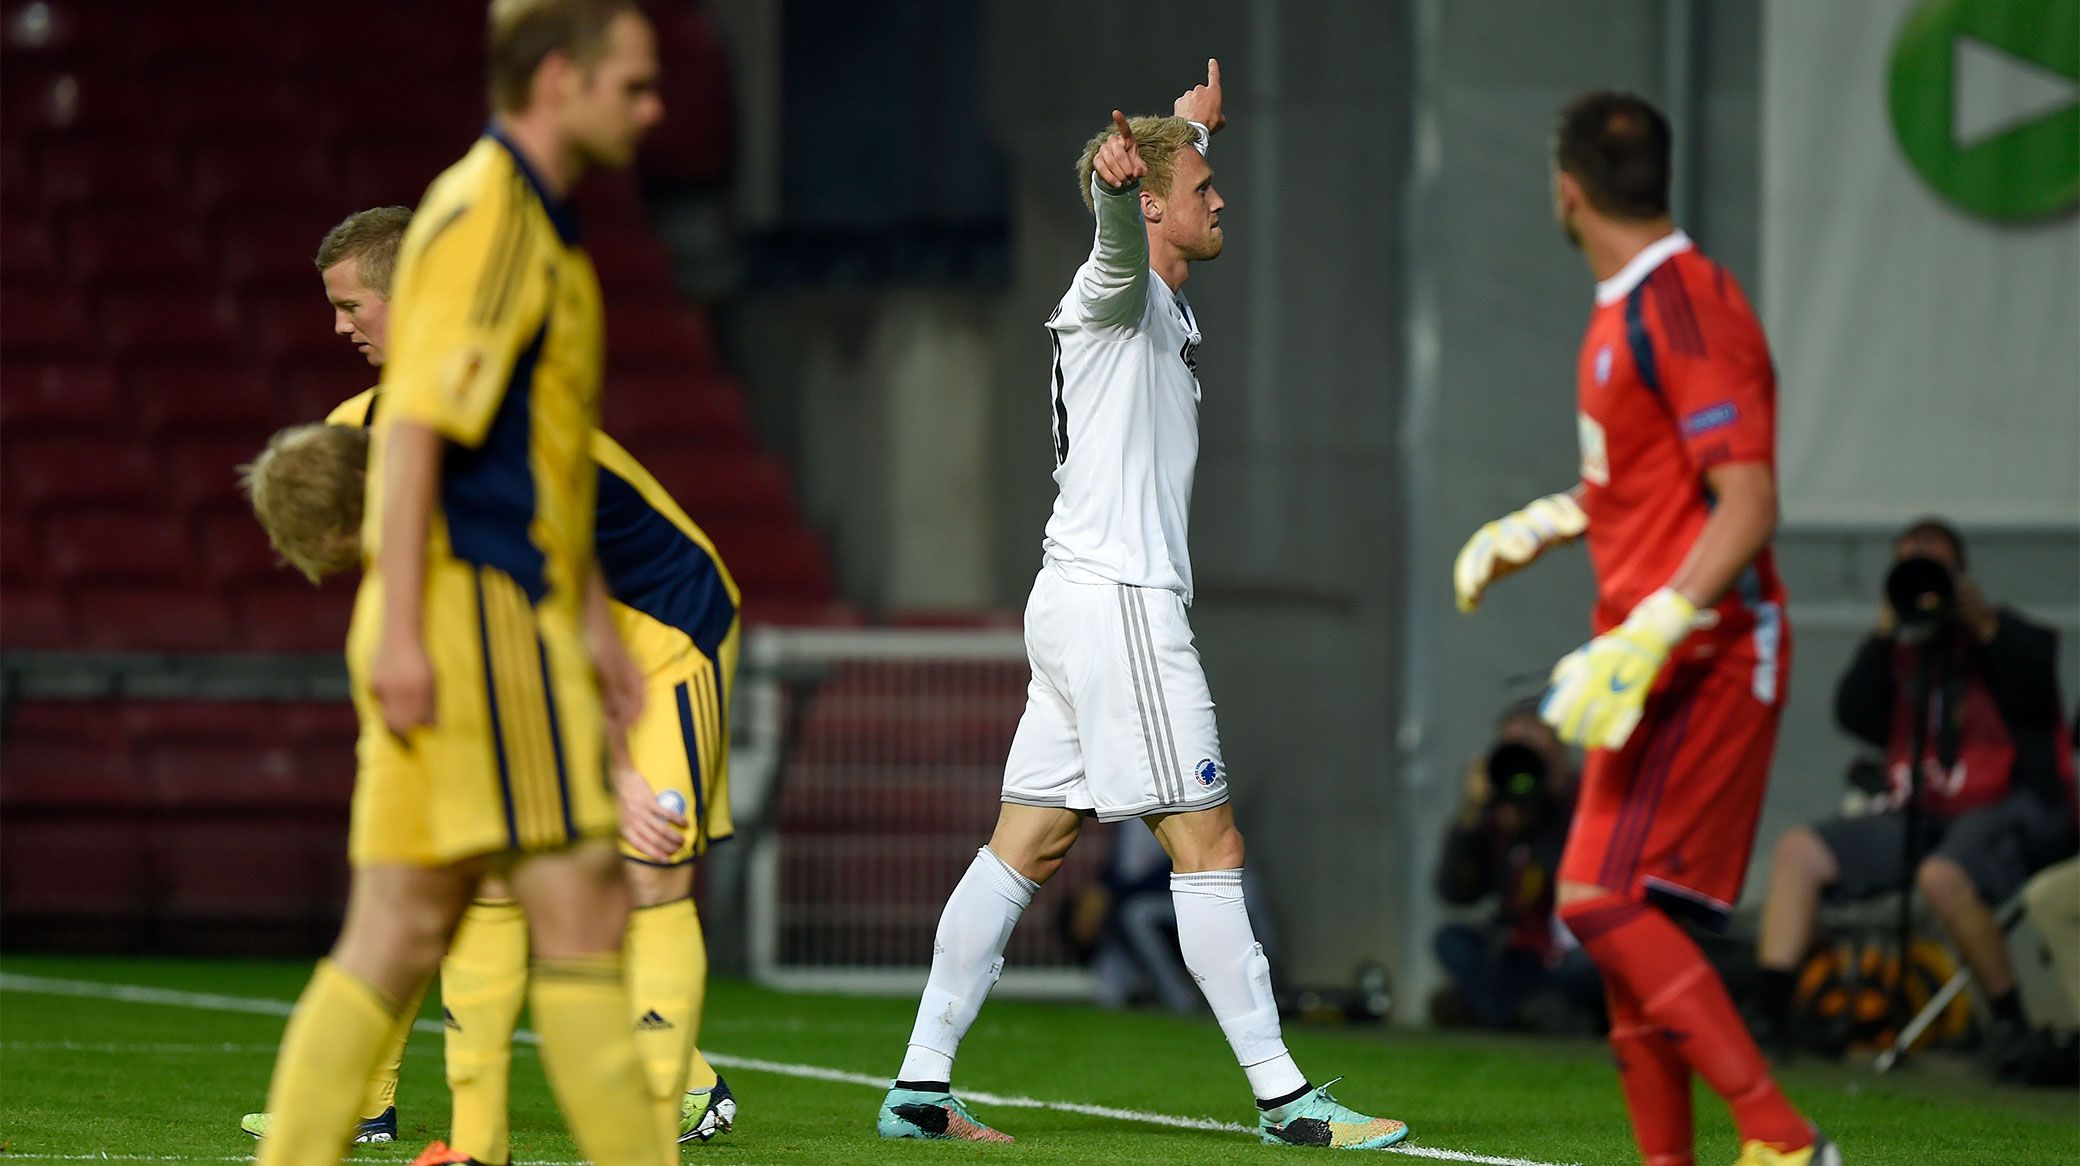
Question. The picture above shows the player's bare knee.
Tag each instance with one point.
(1801, 854)
(1034, 840)
(1217, 850)
(649, 886)
(1945, 884)
(576, 901)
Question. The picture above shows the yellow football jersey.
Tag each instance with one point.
(496, 344)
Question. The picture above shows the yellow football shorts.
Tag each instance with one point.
(681, 747)
(516, 758)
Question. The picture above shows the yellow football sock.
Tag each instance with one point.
(382, 1088)
(664, 955)
(483, 982)
(339, 1029)
(580, 1008)
(699, 1073)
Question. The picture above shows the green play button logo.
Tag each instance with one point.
(1986, 103)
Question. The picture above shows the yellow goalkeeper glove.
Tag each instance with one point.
(1507, 544)
(1599, 690)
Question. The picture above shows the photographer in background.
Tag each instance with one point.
(1506, 842)
(1995, 798)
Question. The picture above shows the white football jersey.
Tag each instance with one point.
(1126, 412)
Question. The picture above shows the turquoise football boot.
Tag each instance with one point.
(913, 1113)
(1317, 1119)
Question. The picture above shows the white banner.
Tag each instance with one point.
(1921, 257)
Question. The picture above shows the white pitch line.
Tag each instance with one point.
(263, 1006)
(74, 1046)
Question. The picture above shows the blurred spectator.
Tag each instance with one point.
(1127, 926)
(1506, 844)
(1995, 800)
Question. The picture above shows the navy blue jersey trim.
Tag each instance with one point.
(1641, 343)
(498, 737)
(653, 566)
(488, 492)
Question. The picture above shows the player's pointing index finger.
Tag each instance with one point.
(1126, 132)
(1213, 73)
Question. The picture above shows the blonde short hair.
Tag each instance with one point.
(1158, 138)
(307, 490)
(524, 32)
(372, 236)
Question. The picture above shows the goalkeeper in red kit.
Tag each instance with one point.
(1678, 696)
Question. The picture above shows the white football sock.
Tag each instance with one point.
(967, 958)
(1224, 956)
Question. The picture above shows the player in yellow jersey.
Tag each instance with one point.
(675, 605)
(485, 662)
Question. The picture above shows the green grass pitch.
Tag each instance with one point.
(82, 1076)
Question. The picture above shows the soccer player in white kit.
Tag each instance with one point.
(1118, 720)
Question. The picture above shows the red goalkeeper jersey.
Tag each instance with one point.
(1674, 379)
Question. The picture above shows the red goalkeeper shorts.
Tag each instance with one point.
(1672, 815)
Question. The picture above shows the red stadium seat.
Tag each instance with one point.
(117, 546)
(203, 396)
(137, 324)
(218, 867)
(45, 877)
(21, 555)
(742, 486)
(35, 618)
(120, 249)
(289, 615)
(68, 754)
(610, 198)
(633, 264)
(234, 550)
(784, 562)
(236, 182)
(57, 101)
(652, 336)
(666, 409)
(44, 322)
(693, 145)
(159, 618)
(17, 189)
(219, 102)
(298, 326)
(318, 382)
(28, 253)
(97, 172)
(218, 36)
(394, 174)
(41, 396)
(202, 467)
(68, 469)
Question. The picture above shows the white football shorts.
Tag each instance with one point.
(1118, 718)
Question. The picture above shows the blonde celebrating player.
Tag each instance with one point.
(1118, 722)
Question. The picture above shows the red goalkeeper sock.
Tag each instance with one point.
(1656, 1081)
(1643, 952)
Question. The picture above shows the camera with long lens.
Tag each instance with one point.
(1923, 594)
(1516, 775)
